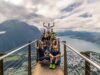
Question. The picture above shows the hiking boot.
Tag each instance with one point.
(50, 66)
(53, 66)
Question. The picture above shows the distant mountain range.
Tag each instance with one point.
(88, 36)
(17, 33)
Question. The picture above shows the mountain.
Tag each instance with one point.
(88, 36)
(17, 33)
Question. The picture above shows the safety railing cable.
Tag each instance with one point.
(86, 56)
(8, 54)
(16, 59)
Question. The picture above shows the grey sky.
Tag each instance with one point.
(66, 13)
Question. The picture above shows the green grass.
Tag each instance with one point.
(12, 58)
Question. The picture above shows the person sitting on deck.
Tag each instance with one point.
(52, 32)
(46, 53)
(45, 37)
(54, 57)
(49, 35)
(53, 37)
(54, 42)
(41, 49)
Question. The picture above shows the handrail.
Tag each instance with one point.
(16, 50)
(85, 58)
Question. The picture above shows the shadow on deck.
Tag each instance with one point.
(44, 70)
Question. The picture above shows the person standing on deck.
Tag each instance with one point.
(49, 27)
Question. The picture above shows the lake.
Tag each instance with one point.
(81, 45)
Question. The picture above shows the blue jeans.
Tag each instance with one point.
(53, 62)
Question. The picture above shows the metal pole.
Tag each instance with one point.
(29, 59)
(87, 64)
(65, 59)
(1, 66)
(59, 43)
(36, 51)
(84, 57)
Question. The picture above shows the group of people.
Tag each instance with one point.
(48, 49)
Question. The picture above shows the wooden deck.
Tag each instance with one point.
(44, 70)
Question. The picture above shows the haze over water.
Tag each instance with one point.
(81, 45)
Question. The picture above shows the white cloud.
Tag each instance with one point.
(73, 20)
(15, 2)
(46, 8)
(51, 9)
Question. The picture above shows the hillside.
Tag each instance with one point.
(17, 34)
(88, 36)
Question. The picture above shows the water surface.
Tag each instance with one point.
(81, 45)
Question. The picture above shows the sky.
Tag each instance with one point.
(76, 15)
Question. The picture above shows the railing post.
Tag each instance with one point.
(1, 66)
(29, 60)
(65, 59)
(36, 51)
(87, 64)
(59, 43)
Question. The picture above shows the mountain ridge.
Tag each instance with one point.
(88, 36)
(17, 34)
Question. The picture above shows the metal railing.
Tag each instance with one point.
(20, 60)
(24, 54)
(88, 63)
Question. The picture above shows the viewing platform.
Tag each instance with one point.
(44, 70)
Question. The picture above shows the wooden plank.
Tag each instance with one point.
(44, 70)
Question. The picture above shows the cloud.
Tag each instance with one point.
(42, 7)
(72, 14)
(89, 20)
(8, 11)
(72, 6)
(15, 2)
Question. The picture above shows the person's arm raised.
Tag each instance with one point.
(53, 24)
(44, 25)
